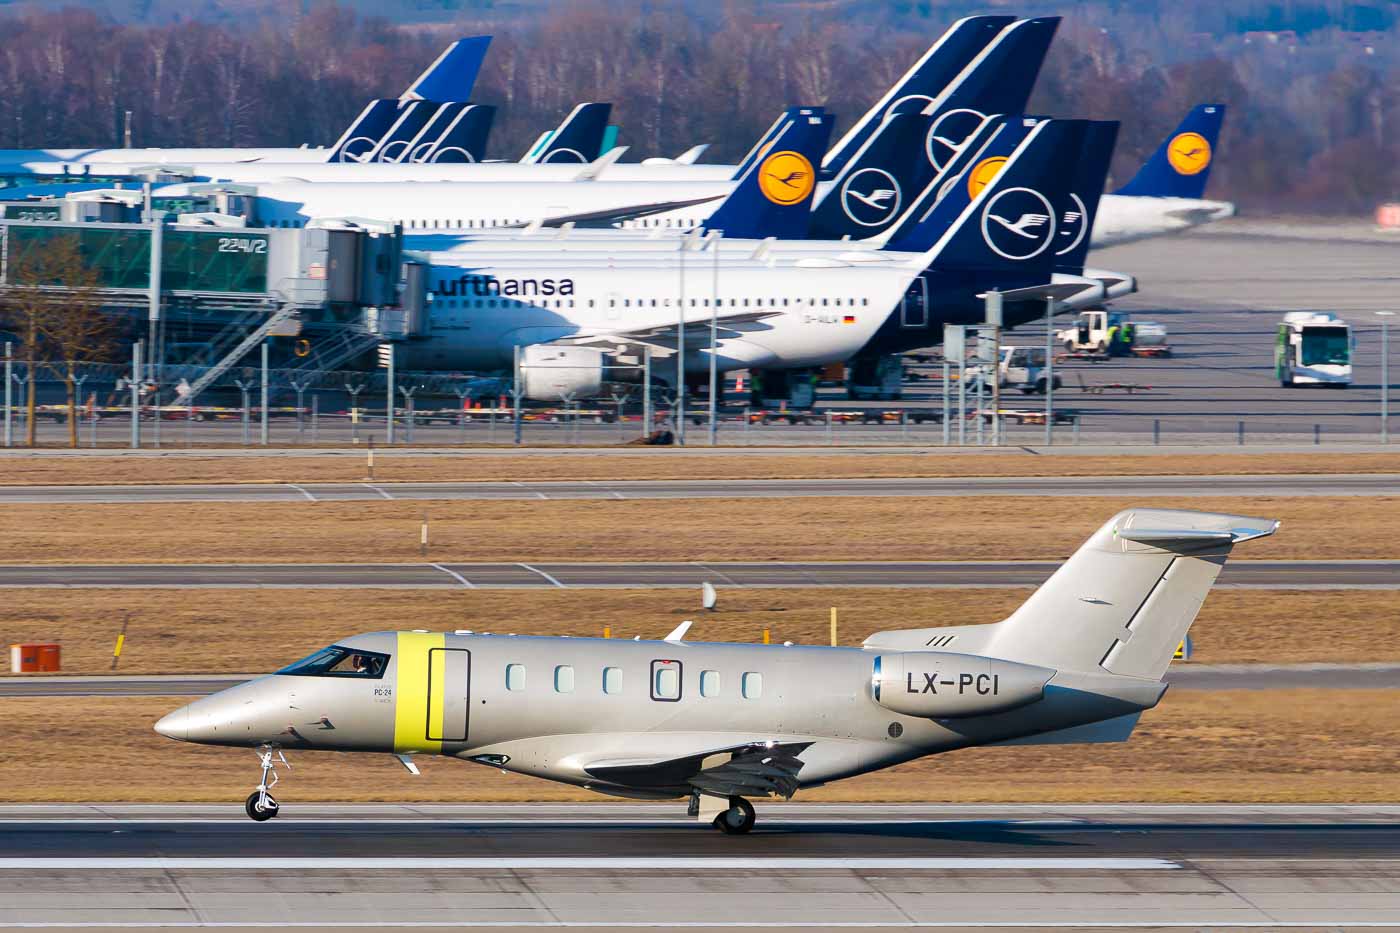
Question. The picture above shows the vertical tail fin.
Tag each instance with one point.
(774, 198)
(1081, 206)
(871, 192)
(364, 132)
(578, 139)
(413, 116)
(427, 135)
(464, 139)
(999, 79)
(452, 75)
(1180, 167)
(1125, 599)
(928, 78)
(770, 135)
(999, 214)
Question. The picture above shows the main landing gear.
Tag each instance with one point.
(261, 805)
(738, 819)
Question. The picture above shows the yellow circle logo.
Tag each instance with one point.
(982, 174)
(786, 177)
(1189, 153)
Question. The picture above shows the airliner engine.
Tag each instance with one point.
(942, 685)
(549, 373)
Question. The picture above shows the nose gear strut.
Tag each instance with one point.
(261, 805)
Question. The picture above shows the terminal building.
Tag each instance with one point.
(206, 286)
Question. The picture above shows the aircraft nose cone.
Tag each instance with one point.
(175, 725)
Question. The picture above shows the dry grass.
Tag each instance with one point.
(241, 631)
(937, 528)
(656, 464)
(1337, 746)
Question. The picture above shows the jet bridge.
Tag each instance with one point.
(212, 288)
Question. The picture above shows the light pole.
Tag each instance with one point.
(714, 350)
(1385, 317)
(679, 408)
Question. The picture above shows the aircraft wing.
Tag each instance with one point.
(614, 215)
(665, 335)
(754, 769)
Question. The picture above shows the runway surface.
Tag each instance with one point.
(1261, 574)
(1361, 484)
(808, 866)
(1192, 676)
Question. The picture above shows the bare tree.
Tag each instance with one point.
(53, 304)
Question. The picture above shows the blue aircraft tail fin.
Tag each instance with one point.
(1081, 204)
(999, 79)
(774, 198)
(989, 146)
(464, 139)
(413, 116)
(1180, 167)
(577, 140)
(451, 77)
(364, 132)
(765, 142)
(921, 84)
(871, 192)
(428, 134)
(1000, 214)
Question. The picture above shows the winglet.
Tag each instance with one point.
(692, 155)
(679, 632)
(592, 170)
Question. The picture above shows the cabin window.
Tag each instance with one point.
(564, 679)
(612, 680)
(515, 676)
(752, 685)
(709, 683)
(666, 681)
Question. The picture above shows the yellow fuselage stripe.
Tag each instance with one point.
(414, 709)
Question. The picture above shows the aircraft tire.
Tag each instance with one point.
(260, 814)
(738, 819)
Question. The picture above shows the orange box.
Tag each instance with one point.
(1388, 216)
(35, 657)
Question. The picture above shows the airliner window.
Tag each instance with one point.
(339, 661)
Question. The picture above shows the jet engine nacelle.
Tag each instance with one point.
(550, 373)
(942, 685)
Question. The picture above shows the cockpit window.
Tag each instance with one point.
(339, 661)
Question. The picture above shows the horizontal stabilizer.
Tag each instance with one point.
(1055, 290)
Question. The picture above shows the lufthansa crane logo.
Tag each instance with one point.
(1188, 153)
(982, 174)
(871, 197)
(565, 156)
(1074, 224)
(1018, 224)
(786, 177)
(949, 135)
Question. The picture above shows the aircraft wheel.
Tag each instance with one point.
(738, 819)
(257, 811)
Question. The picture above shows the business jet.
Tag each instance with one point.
(717, 724)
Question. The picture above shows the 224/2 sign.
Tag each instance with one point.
(242, 244)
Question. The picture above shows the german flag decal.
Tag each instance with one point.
(848, 319)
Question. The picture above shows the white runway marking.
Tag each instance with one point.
(543, 574)
(594, 864)
(378, 490)
(302, 491)
(460, 579)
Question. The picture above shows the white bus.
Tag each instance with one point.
(1313, 348)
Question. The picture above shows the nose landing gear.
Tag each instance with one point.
(738, 819)
(261, 805)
